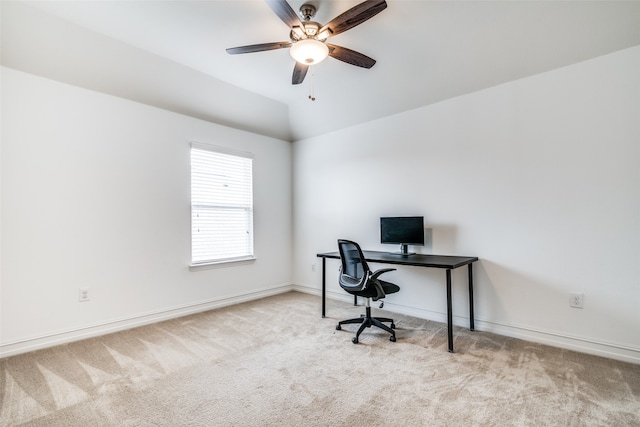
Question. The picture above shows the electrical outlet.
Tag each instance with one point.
(83, 295)
(313, 266)
(576, 300)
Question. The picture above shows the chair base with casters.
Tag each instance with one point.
(368, 321)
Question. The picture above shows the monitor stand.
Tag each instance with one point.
(404, 251)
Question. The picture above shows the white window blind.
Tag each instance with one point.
(221, 205)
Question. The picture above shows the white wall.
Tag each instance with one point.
(95, 193)
(538, 177)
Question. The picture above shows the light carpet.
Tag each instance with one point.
(276, 362)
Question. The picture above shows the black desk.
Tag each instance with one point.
(418, 260)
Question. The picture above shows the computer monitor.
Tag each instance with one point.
(402, 230)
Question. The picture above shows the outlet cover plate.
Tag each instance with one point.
(576, 300)
(83, 294)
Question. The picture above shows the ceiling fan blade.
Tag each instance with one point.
(285, 12)
(350, 56)
(257, 47)
(355, 16)
(299, 73)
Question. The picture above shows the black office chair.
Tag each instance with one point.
(357, 279)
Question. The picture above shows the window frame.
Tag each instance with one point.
(221, 261)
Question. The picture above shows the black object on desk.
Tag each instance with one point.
(418, 260)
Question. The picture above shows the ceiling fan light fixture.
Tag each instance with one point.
(297, 33)
(324, 34)
(309, 51)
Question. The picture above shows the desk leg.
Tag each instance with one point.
(324, 291)
(449, 312)
(471, 323)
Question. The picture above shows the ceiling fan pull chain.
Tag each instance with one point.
(312, 90)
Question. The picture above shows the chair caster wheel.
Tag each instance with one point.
(392, 338)
(354, 340)
(338, 328)
(393, 325)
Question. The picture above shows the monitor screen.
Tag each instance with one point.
(404, 230)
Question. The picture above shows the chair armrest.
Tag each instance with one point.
(379, 272)
(379, 291)
(376, 284)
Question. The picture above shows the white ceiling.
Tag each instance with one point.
(427, 51)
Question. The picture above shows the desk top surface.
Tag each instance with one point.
(418, 260)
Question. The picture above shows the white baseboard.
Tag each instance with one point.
(584, 345)
(609, 350)
(615, 351)
(64, 337)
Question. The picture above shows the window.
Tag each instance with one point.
(221, 205)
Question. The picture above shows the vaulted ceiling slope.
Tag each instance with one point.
(171, 54)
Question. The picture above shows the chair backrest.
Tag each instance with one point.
(354, 271)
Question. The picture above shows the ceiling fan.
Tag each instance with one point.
(308, 38)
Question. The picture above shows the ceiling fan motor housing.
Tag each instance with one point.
(307, 11)
(309, 30)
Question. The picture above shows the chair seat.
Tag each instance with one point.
(370, 292)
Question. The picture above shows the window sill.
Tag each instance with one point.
(221, 263)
